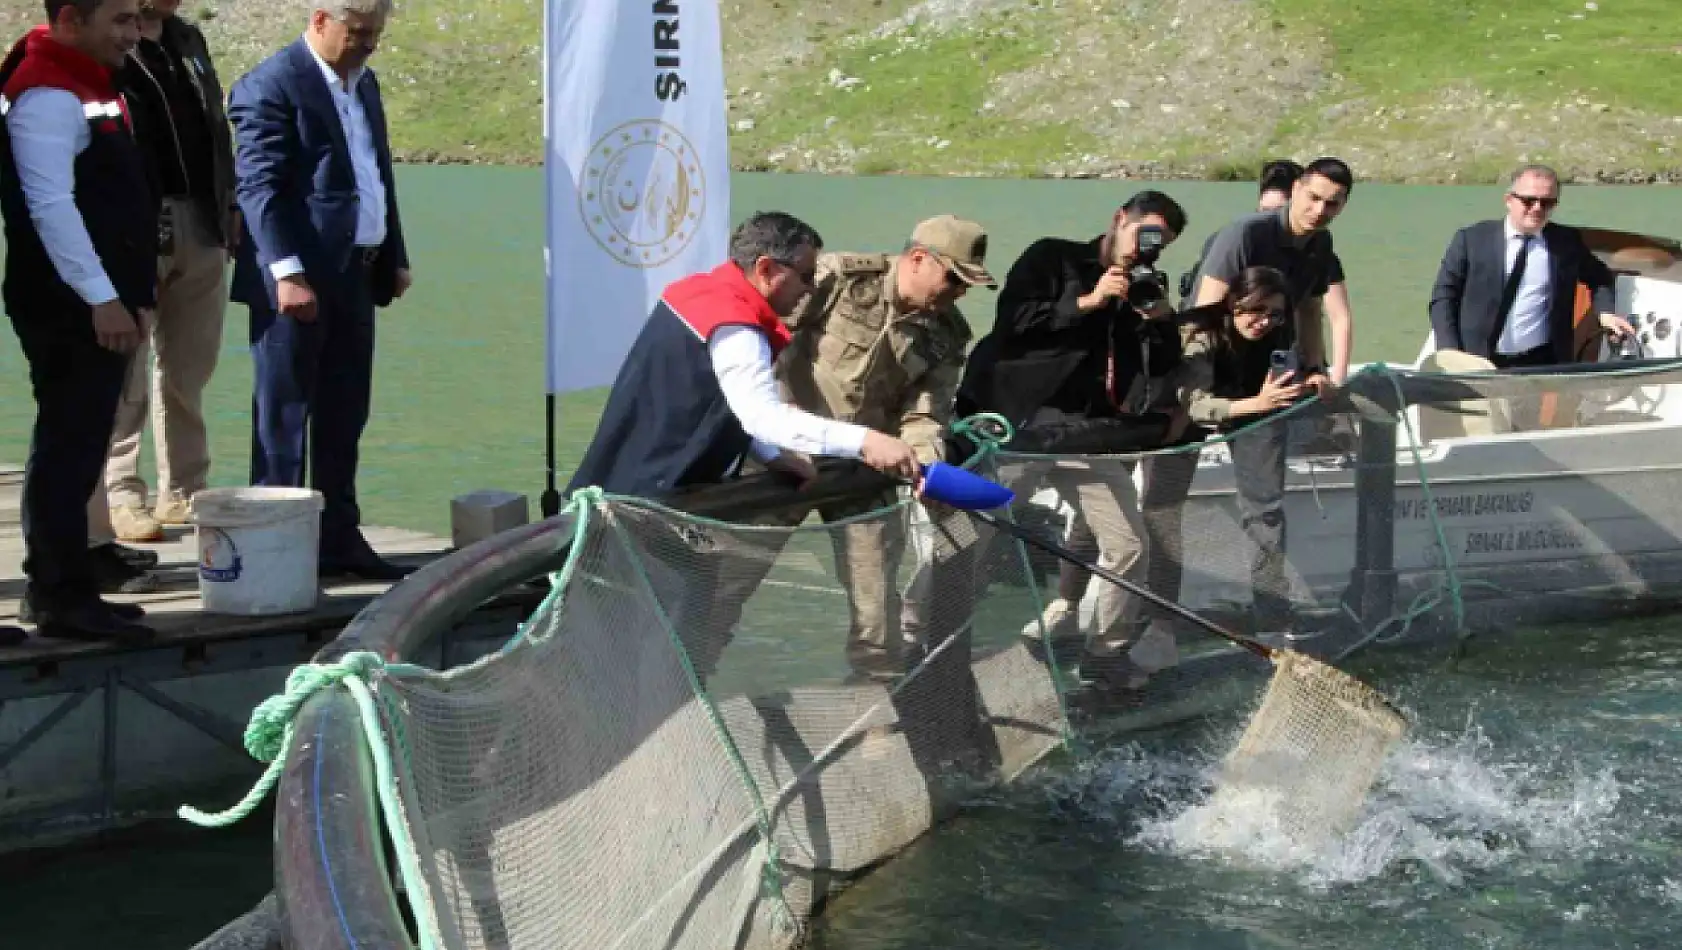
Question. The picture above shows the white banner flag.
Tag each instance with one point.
(638, 165)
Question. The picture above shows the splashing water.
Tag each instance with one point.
(1447, 807)
(1534, 805)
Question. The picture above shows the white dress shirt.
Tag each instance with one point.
(1527, 322)
(49, 129)
(741, 358)
(359, 135)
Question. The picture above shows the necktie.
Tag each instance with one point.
(1510, 292)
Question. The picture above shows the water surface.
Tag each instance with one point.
(1534, 806)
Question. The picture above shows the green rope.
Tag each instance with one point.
(986, 441)
(270, 732)
(268, 736)
(584, 500)
(1449, 582)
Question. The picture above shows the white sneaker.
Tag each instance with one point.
(1155, 650)
(1060, 619)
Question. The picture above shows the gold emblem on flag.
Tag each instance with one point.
(643, 193)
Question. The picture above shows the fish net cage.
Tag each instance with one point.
(708, 728)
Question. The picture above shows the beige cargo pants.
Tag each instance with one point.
(187, 337)
(1103, 495)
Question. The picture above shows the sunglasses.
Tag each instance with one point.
(1531, 201)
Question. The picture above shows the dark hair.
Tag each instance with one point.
(1251, 286)
(1155, 202)
(1240, 365)
(83, 8)
(1334, 170)
(774, 234)
(1279, 175)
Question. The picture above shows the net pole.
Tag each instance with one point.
(1023, 534)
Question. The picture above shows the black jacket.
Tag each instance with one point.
(148, 104)
(1044, 354)
(1466, 301)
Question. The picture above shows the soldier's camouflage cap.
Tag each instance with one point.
(960, 244)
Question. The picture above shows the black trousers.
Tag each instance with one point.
(1539, 356)
(76, 383)
(1258, 469)
(315, 380)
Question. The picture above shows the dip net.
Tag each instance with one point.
(691, 744)
(1311, 751)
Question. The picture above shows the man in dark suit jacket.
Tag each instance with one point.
(324, 247)
(1507, 288)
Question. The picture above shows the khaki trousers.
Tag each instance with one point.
(187, 337)
(1103, 496)
(867, 559)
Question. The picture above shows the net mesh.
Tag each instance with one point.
(708, 728)
(1311, 751)
(691, 740)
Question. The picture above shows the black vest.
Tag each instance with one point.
(666, 424)
(119, 207)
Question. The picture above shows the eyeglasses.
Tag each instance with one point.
(1531, 201)
(808, 277)
(1272, 316)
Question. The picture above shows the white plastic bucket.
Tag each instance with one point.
(257, 549)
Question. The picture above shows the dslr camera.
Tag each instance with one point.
(1147, 286)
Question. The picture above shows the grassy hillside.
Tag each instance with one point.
(1417, 90)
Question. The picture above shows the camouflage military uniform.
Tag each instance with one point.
(856, 358)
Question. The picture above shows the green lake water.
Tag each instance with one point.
(458, 393)
(1535, 807)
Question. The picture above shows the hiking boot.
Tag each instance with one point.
(1062, 637)
(173, 510)
(132, 522)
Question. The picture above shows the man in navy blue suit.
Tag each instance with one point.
(323, 248)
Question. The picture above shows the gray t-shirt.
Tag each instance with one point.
(1189, 280)
(1264, 239)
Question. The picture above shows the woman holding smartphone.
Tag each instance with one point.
(1240, 366)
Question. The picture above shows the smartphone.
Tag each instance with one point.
(1282, 362)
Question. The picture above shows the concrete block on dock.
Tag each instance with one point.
(479, 514)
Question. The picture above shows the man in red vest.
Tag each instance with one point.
(81, 216)
(696, 395)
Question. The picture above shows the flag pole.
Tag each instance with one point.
(550, 503)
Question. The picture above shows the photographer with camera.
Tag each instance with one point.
(1081, 345)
